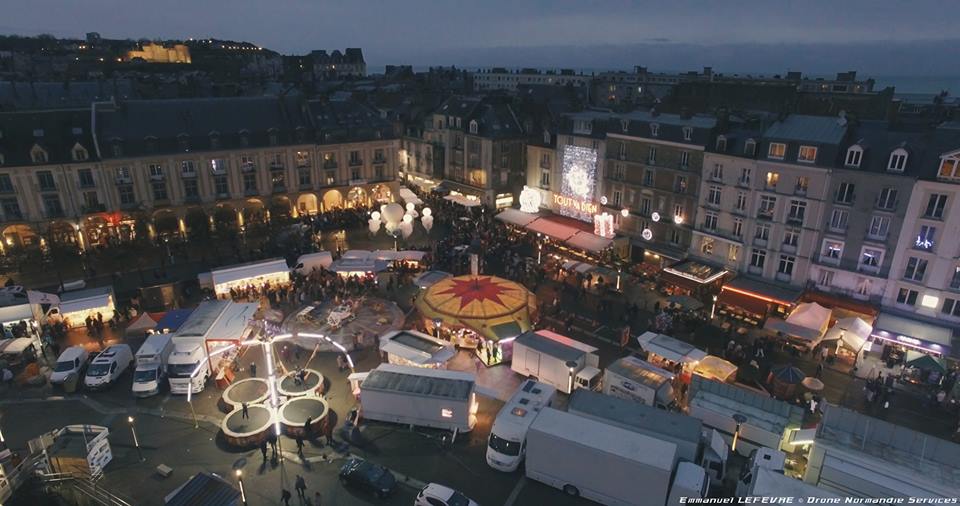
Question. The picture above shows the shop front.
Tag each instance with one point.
(897, 345)
(750, 302)
(76, 307)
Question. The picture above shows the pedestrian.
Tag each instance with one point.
(300, 445)
(263, 449)
(285, 496)
(246, 412)
(317, 498)
(307, 429)
(824, 353)
(301, 486)
(272, 438)
(819, 372)
(253, 370)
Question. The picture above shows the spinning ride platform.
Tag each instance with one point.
(372, 315)
(312, 384)
(247, 432)
(294, 413)
(249, 390)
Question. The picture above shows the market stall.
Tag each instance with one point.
(482, 312)
(409, 347)
(141, 324)
(750, 301)
(716, 368)
(76, 306)
(172, 320)
(805, 327)
(275, 272)
(786, 382)
(349, 267)
(692, 278)
(671, 354)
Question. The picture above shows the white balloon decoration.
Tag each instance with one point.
(406, 228)
(427, 221)
(393, 212)
(427, 212)
(407, 219)
(410, 206)
(375, 215)
(374, 225)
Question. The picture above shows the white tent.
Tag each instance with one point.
(809, 322)
(851, 331)
(463, 201)
(670, 348)
(140, 325)
(275, 271)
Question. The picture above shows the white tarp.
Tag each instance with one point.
(16, 313)
(86, 300)
(669, 348)
(270, 268)
(407, 195)
(581, 267)
(852, 331)
(716, 368)
(516, 217)
(589, 242)
(140, 325)
(463, 201)
(358, 265)
(809, 321)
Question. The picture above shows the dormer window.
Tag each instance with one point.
(854, 156)
(750, 147)
(79, 153)
(301, 134)
(807, 154)
(949, 168)
(777, 151)
(546, 137)
(625, 125)
(582, 126)
(721, 144)
(687, 133)
(38, 154)
(459, 124)
(474, 127)
(654, 129)
(898, 160)
(214, 140)
(183, 141)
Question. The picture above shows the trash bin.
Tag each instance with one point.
(70, 384)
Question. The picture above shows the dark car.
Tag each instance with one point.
(362, 474)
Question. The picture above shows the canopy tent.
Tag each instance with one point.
(273, 271)
(716, 368)
(493, 307)
(409, 347)
(463, 201)
(786, 380)
(581, 267)
(925, 362)
(851, 331)
(76, 306)
(808, 322)
(407, 195)
(140, 324)
(811, 383)
(589, 242)
(685, 302)
(11, 314)
(516, 217)
(172, 320)
(552, 229)
(430, 278)
(358, 266)
(669, 348)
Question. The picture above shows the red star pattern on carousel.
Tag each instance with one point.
(478, 289)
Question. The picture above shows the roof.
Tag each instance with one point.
(632, 415)
(814, 129)
(83, 300)
(640, 371)
(208, 489)
(878, 140)
(524, 404)
(173, 319)
(780, 292)
(57, 132)
(549, 346)
(347, 120)
(416, 347)
(670, 348)
(440, 384)
(762, 411)
(218, 319)
(899, 325)
(626, 444)
(62, 95)
(240, 272)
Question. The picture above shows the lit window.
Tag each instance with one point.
(807, 154)
(777, 150)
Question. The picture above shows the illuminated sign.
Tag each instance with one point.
(909, 340)
(647, 234)
(530, 200)
(575, 207)
(923, 243)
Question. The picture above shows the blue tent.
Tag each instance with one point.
(173, 320)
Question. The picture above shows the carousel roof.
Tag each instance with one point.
(477, 297)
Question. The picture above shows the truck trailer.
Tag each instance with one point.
(637, 380)
(151, 364)
(556, 360)
(422, 397)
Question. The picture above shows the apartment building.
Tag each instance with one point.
(87, 177)
(499, 78)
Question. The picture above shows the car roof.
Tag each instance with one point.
(72, 353)
(439, 491)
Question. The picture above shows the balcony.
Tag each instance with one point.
(250, 192)
(222, 196)
(276, 166)
(330, 164)
(794, 219)
(837, 229)
(127, 206)
(87, 185)
(191, 199)
(123, 180)
(788, 248)
(6, 189)
(756, 271)
(800, 190)
(759, 242)
(869, 269)
(876, 236)
(828, 260)
(783, 277)
(279, 188)
(93, 208)
(765, 215)
(379, 159)
(354, 162)
(306, 186)
(743, 182)
(193, 173)
(248, 167)
(545, 164)
(54, 213)
(48, 187)
(358, 182)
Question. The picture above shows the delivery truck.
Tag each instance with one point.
(556, 360)
(638, 380)
(598, 461)
(421, 397)
(505, 446)
(151, 361)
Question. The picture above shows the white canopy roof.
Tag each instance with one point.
(141, 324)
(85, 300)
(383, 254)
(417, 347)
(463, 201)
(248, 271)
(670, 348)
(407, 195)
(589, 242)
(16, 313)
(516, 217)
(809, 321)
(358, 265)
(852, 331)
(581, 267)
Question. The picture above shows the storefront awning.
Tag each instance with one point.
(697, 272)
(744, 301)
(552, 229)
(516, 217)
(768, 293)
(913, 333)
(680, 281)
(836, 301)
(589, 242)
(670, 348)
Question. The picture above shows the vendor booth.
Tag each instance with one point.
(751, 301)
(141, 324)
(893, 336)
(692, 278)
(349, 267)
(172, 320)
(409, 347)
(482, 312)
(75, 307)
(805, 327)
(716, 368)
(671, 354)
(28, 306)
(275, 272)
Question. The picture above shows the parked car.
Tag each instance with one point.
(73, 360)
(367, 475)
(438, 495)
(108, 366)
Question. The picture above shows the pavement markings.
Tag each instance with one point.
(516, 491)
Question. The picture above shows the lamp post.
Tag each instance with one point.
(713, 308)
(740, 419)
(243, 494)
(136, 442)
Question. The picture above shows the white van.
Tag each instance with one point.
(151, 361)
(507, 443)
(307, 263)
(109, 365)
(73, 360)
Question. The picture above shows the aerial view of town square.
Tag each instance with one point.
(538, 253)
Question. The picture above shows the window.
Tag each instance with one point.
(798, 209)
(955, 279)
(545, 178)
(737, 227)
(545, 160)
(617, 197)
(777, 151)
(916, 269)
(355, 158)
(187, 168)
(807, 154)
(190, 189)
(303, 176)
(250, 183)
(648, 177)
(79, 154)
(273, 137)
(221, 186)
(907, 296)
(654, 129)
(687, 133)
(721, 144)
(838, 220)
(710, 221)
(826, 278)
(733, 253)
(127, 197)
(159, 189)
(619, 171)
(786, 265)
(741, 201)
(750, 147)
(645, 206)
(935, 206)
(684, 159)
(803, 183)
(86, 178)
(879, 226)
(706, 246)
(757, 258)
(713, 196)
(6, 184)
(925, 239)
(680, 184)
(38, 155)
(716, 173)
(845, 194)
(791, 237)
(45, 180)
(678, 213)
(52, 206)
(303, 158)
(675, 236)
(762, 232)
(622, 150)
(772, 179)
(950, 307)
(745, 176)
(767, 206)
(155, 170)
(330, 178)
(887, 200)
(832, 250)
(854, 155)
(949, 168)
(898, 160)
(870, 258)
(652, 155)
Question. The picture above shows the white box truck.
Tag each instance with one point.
(506, 445)
(213, 327)
(637, 380)
(556, 360)
(151, 361)
(409, 395)
(690, 480)
(597, 461)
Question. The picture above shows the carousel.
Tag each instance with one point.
(485, 313)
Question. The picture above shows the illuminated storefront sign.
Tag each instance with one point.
(575, 205)
(530, 200)
(578, 183)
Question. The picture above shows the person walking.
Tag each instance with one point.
(301, 486)
(300, 445)
(317, 498)
(819, 372)
(253, 369)
(245, 413)
(285, 496)
(263, 449)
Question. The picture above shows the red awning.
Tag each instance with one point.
(743, 301)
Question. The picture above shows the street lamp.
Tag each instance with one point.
(740, 419)
(713, 308)
(136, 442)
(243, 494)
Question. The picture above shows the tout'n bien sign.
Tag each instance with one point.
(582, 206)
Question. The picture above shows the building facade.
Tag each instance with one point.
(499, 78)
